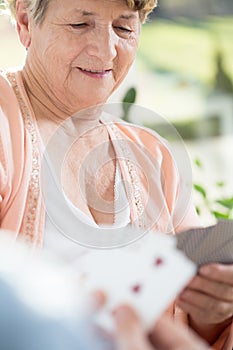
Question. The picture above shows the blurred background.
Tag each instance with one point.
(184, 72)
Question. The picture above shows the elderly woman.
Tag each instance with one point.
(78, 53)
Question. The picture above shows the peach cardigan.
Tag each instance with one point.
(21, 206)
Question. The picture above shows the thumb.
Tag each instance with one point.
(167, 335)
(96, 300)
(129, 331)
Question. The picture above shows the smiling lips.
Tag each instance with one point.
(95, 73)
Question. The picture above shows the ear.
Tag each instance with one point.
(22, 19)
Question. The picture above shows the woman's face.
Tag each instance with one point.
(83, 49)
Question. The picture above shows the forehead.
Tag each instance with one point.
(92, 7)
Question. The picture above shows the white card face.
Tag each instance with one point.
(147, 275)
(213, 244)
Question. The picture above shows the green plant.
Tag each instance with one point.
(2, 5)
(127, 102)
(220, 207)
(222, 80)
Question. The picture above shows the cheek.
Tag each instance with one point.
(127, 54)
(59, 51)
(56, 54)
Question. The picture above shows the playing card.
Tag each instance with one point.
(146, 275)
(213, 244)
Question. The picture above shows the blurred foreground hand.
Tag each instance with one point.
(166, 335)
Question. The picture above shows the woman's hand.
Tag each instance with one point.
(130, 335)
(164, 336)
(208, 300)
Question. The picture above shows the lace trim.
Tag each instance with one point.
(30, 224)
(136, 186)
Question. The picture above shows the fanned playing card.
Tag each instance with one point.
(147, 275)
(213, 244)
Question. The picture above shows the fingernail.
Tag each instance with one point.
(181, 296)
(94, 301)
(121, 314)
(205, 270)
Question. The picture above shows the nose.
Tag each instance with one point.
(103, 44)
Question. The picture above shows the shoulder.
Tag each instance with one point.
(172, 160)
(9, 105)
(7, 96)
(10, 114)
(5, 102)
(11, 128)
(4, 83)
(6, 91)
(134, 131)
(143, 136)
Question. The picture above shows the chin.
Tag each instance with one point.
(91, 102)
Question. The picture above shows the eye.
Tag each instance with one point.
(124, 29)
(78, 25)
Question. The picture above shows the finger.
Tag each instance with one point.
(196, 298)
(206, 302)
(218, 290)
(129, 331)
(167, 335)
(218, 272)
(195, 312)
(204, 308)
(97, 299)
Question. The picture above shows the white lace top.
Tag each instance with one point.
(69, 250)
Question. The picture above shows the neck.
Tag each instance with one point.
(39, 94)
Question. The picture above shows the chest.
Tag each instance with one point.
(88, 176)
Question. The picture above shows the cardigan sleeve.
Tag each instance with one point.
(12, 163)
(5, 160)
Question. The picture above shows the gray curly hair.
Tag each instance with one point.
(38, 7)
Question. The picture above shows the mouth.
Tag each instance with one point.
(95, 73)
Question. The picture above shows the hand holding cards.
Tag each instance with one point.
(146, 275)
